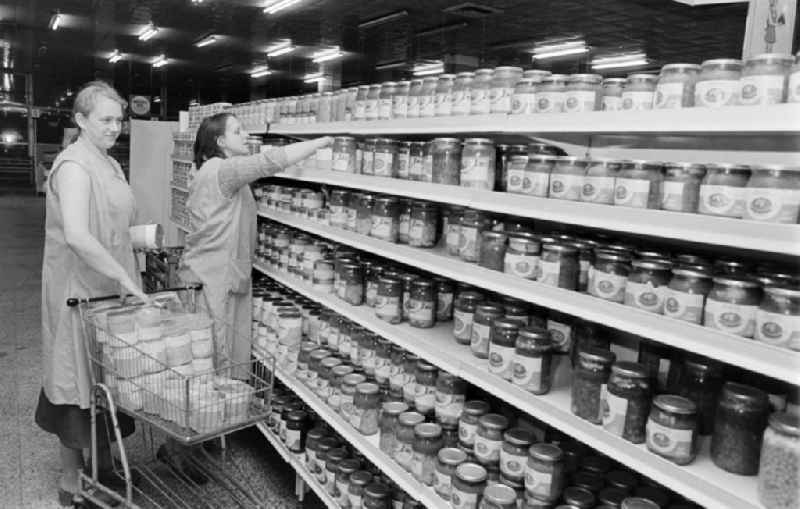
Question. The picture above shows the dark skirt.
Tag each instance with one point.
(72, 424)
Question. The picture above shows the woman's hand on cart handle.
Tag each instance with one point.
(133, 289)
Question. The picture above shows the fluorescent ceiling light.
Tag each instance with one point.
(620, 60)
(618, 65)
(383, 19)
(312, 76)
(314, 80)
(55, 20)
(278, 5)
(442, 29)
(260, 71)
(147, 32)
(429, 68)
(559, 49)
(205, 41)
(391, 65)
(115, 57)
(280, 48)
(197, 1)
(160, 61)
(326, 54)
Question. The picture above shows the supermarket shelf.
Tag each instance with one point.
(367, 445)
(746, 353)
(182, 160)
(738, 233)
(295, 462)
(739, 121)
(702, 481)
(179, 188)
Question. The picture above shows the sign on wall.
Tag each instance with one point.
(140, 105)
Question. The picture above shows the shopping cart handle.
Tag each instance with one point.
(74, 301)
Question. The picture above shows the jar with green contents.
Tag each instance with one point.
(323, 389)
(639, 184)
(566, 179)
(599, 181)
(359, 111)
(732, 304)
(585, 260)
(522, 255)
(514, 453)
(511, 176)
(532, 360)
(484, 316)
(489, 438)
(312, 439)
(675, 88)
(672, 429)
(452, 230)
(645, 285)
(779, 468)
(423, 228)
(502, 341)
(404, 446)
(446, 154)
(480, 101)
(551, 94)
(389, 302)
(478, 164)
(422, 304)
(537, 175)
(612, 93)
(681, 188)
(739, 425)
(773, 194)
(463, 315)
(368, 156)
(385, 218)
(427, 443)
(764, 79)
(545, 472)
(367, 353)
(385, 111)
(445, 298)
(685, 295)
(492, 250)
(450, 397)
(718, 83)
(639, 92)
(559, 266)
(722, 192)
(388, 425)
(448, 459)
(473, 222)
(584, 93)
(626, 402)
(425, 375)
(591, 374)
(468, 485)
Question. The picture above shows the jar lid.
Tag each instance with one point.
(349, 466)
(675, 404)
(389, 84)
(491, 235)
(734, 63)
(490, 309)
(446, 140)
(630, 369)
(430, 79)
(465, 74)
(739, 282)
(783, 290)
(471, 472)
(561, 248)
(536, 73)
(377, 490)
(520, 236)
(484, 71)
(592, 481)
(500, 494)
(542, 158)
(423, 365)
(640, 164)
(698, 364)
(727, 167)
(681, 67)
(539, 334)
(330, 362)
(546, 452)
(361, 478)
(653, 78)
(638, 503)
(375, 85)
(580, 497)
(327, 443)
(771, 58)
(585, 78)
(476, 407)
(653, 264)
(354, 379)
(519, 436)
(593, 354)
(320, 354)
(403, 83)
(316, 433)
(572, 160)
(428, 430)
(446, 76)
(696, 168)
(692, 273)
(614, 81)
(733, 392)
(508, 68)
(555, 78)
(482, 141)
(410, 418)
(452, 456)
(341, 371)
(507, 324)
(621, 479)
(785, 423)
(596, 463)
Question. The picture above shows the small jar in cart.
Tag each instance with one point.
(502, 88)
(545, 472)
(718, 84)
(584, 93)
(739, 423)
(599, 180)
(443, 100)
(672, 429)
(778, 317)
(537, 175)
(779, 467)
(773, 194)
(446, 153)
(646, 282)
(450, 397)
(559, 266)
(675, 88)
(385, 100)
(566, 179)
(626, 401)
(463, 315)
(499, 496)
(448, 459)
(589, 378)
(478, 164)
(612, 93)
(427, 443)
(639, 184)
(764, 79)
(489, 438)
(551, 94)
(485, 315)
(681, 188)
(480, 90)
(639, 92)
(732, 304)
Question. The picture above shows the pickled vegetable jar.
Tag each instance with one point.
(502, 341)
(551, 94)
(778, 317)
(489, 438)
(732, 304)
(361, 103)
(485, 315)
(718, 83)
(448, 459)
(344, 154)
(681, 188)
(364, 209)
(591, 374)
(463, 315)
(425, 375)
(639, 184)
(492, 250)
(675, 87)
(537, 175)
(446, 161)
(545, 472)
(779, 468)
(646, 282)
(584, 93)
(739, 425)
(672, 429)
(443, 103)
(532, 360)
(522, 255)
(515, 173)
(773, 194)
(480, 100)
(598, 183)
(462, 87)
(566, 179)
(626, 402)
(764, 79)
(424, 224)
(502, 86)
(559, 266)
(478, 164)
(612, 93)
(639, 92)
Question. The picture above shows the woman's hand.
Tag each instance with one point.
(325, 141)
(133, 289)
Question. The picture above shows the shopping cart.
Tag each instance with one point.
(135, 355)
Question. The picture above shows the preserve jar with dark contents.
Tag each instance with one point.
(588, 379)
(492, 250)
(739, 425)
(559, 266)
(779, 467)
(626, 404)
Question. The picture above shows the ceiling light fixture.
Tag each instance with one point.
(391, 65)
(260, 71)
(619, 61)
(560, 49)
(280, 48)
(55, 21)
(148, 32)
(442, 29)
(326, 54)
(197, 2)
(160, 61)
(206, 41)
(383, 19)
(278, 5)
(428, 68)
(115, 57)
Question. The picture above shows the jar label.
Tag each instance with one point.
(400, 106)
(462, 324)
(371, 109)
(387, 307)
(355, 501)
(361, 108)
(722, 200)
(521, 265)
(385, 109)
(528, 372)
(453, 238)
(669, 441)
(449, 406)
(467, 245)
(669, 96)
(644, 296)
(367, 167)
(467, 433)
(383, 164)
(672, 197)
(561, 335)
(475, 172)
(463, 500)
(523, 104)
(514, 179)
(512, 465)
(614, 412)
(421, 235)
(637, 100)
(761, 89)
(479, 101)
(442, 484)
(383, 228)
(566, 187)
(794, 88)
(413, 106)
(461, 102)
(598, 190)
(538, 483)
(486, 450)
(536, 183)
(612, 103)
(500, 98)
(579, 100)
(479, 339)
(716, 93)
(427, 106)
(549, 102)
(773, 205)
(424, 398)
(421, 310)
(444, 104)
(732, 318)
(341, 162)
(631, 192)
(501, 361)
(549, 272)
(777, 329)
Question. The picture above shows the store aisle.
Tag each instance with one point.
(28, 456)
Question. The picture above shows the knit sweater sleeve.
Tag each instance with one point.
(238, 171)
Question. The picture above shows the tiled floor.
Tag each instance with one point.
(29, 464)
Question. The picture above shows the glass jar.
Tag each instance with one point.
(363, 219)
(599, 181)
(675, 87)
(468, 422)
(372, 104)
(492, 250)
(489, 438)
(681, 187)
(612, 93)
(672, 429)
(404, 445)
(414, 93)
(468, 485)
(424, 224)
(551, 94)
(443, 103)
(387, 91)
(366, 403)
(404, 221)
(427, 97)
(626, 401)
(426, 174)
(452, 231)
(523, 100)
(480, 95)
(427, 443)
(344, 154)
(485, 315)
(591, 374)
(646, 283)
(514, 453)
(383, 160)
(478, 164)
(400, 99)
(559, 266)
(355, 490)
(639, 185)
(545, 472)
(499, 496)
(446, 154)
(462, 87)
(473, 223)
(514, 174)
(450, 397)
(368, 156)
(425, 375)
(448, 459)
(385, 218)
(778, 317)
(351, 210)
(584, 93)
(388, 306)
(700, 380)
(502, 88)
(338, 200)
(422, 304)
(402, 161)
(377, 496)
(722, 191)
(522, 255)
(779, 468)
(773, 194)
(353, 283)
(739, 425)
(537, 175)
(532, 360)
(566, 179)
(732, 304)
(345, 469)
(502, 340)
(463, 315)
(639, 92)
(764, 79)
(445, 297)
(361, 103)
(685, 295)
(719, 83)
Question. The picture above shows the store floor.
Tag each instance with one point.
(29, 464)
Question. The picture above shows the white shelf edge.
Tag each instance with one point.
(702, 481)
(703, 229)
(744, 120)
(367, 445)
(746, 353)
(290, 458)
(182, 160)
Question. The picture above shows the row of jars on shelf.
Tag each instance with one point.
(761, 302)
(396, 393)
(762, 193)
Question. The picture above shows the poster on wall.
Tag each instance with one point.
(770, 27)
